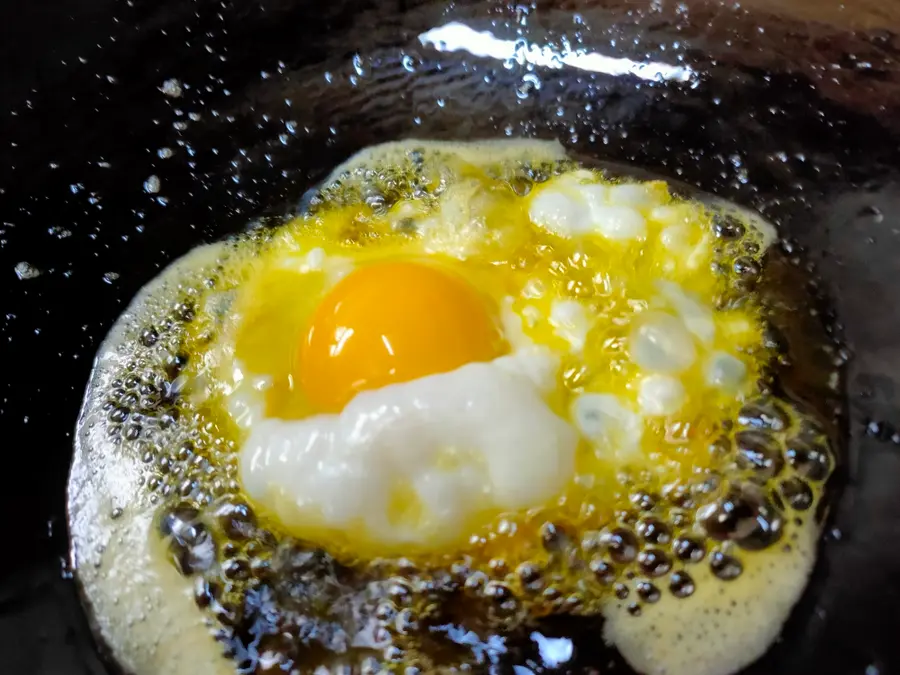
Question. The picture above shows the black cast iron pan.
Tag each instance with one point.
(132, 131)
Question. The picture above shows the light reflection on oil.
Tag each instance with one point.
(455, 36)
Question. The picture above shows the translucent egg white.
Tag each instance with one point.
(613, 429)
(659, 342)
(661, 395)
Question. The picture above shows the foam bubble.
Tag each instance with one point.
(659, 342)
(661, 395)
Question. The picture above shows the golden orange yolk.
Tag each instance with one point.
(393, 322)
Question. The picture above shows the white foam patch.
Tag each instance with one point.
(676, 238)
(635, 195)
(619, 223)
(659, 342)
(697, 317)
(511, 322)
(613, 429)
(315, 260)
(245, 396)
(570, 322)
(660, 395)
(478, 437)
(700, 254)
(560, 213)
(725, 371)
(572, 205)
(672, 216)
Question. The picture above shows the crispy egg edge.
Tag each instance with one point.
(140, 608)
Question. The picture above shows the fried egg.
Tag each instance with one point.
(475, 387)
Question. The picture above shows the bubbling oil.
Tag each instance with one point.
(278, 604)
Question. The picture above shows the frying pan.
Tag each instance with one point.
(134, 130)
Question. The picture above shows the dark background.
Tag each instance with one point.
(795, 111)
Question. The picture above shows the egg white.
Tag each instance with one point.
(477, 438)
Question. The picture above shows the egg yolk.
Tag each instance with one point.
(393, 322)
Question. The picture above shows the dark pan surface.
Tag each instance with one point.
(790, 107)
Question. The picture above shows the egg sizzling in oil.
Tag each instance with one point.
(622, 315)
(356, 299)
